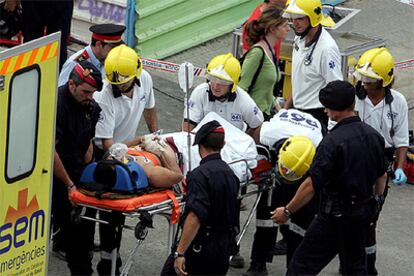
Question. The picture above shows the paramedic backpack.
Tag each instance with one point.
(259, 68)
(114, 177)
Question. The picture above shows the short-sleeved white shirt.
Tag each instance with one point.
(238, 111)
(120, 116)
(379, 117)
(290, 122)
(308, 80)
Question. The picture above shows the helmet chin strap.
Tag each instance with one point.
(304, 33)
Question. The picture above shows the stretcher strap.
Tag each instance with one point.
(175, 214)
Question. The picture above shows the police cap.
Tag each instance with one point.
(337, 95)
(206, 129)
(108, 33)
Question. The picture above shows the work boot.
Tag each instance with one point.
(237, 261)
(280, 248)
(256, 269)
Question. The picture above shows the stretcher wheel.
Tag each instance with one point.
(141, 231)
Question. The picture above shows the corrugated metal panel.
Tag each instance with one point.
(170, 26)
(89, 12)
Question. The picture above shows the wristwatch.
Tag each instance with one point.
(178, 255)
(287, 212)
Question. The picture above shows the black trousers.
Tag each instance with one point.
(212, 259)
(54, 15)
(80, 245)
(61, 209)
(266, 233)
(328, 236)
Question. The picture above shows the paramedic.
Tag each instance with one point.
(292, 135)
(77, 115)
(127, 95)
(315, 58)
(222, 95)
(211, 214)
(386, 110)
(104, 38)
(348, 172)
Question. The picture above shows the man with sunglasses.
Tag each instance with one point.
(222, 95)
(76, 118)
(386, 110)
(315, 58)
(104, 38)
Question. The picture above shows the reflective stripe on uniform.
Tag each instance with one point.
(296, 229)
(371, 249)
(266, 223)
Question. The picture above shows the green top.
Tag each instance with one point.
(262, 92)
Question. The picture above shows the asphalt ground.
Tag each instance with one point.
(388, 19)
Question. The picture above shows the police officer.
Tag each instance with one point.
(211, 212)
(348, 172)
(292, 136)
(222, 95)
(386, 110)
(315, 58)
(104, 38)
(77, 115)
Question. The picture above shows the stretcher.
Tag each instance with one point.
(240, 153)
(167, 203)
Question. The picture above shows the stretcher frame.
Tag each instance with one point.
(145, 214)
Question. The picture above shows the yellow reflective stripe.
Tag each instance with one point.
(37, 55)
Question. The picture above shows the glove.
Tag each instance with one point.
(400, 177)
(154, 144)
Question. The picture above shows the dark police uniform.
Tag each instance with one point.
(347, 163)
(75, 127)
(54, 15)
(212, 196)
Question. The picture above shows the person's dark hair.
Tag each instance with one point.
(94, 73)
(105, 173)
(213, 141)
(93, 42)
(256, 29)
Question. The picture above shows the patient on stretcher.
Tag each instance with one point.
(126, 170)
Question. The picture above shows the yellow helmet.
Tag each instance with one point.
(225, 67)
(122, 64)
(295, 157)
(309, 8)
(376, 63)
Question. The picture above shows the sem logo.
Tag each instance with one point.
(236, 117)
(22, 225)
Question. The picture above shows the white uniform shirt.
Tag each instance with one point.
(290, 122)
(308, 80)
(71, 62)
(120, 116)
(238, 111)
(379, 117)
